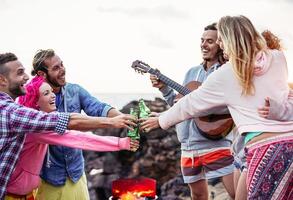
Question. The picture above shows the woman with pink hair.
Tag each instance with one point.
(25, 177)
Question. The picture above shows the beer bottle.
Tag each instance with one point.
(144, 111)
(135, 133)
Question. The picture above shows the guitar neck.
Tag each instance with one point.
(174, 85)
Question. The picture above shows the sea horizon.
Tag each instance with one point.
(119, 100)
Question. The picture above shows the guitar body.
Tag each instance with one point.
(213, 127)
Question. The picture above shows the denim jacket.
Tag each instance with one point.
(187, 132)
(62, 162)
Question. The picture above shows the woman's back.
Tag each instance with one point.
(222, 88)
(271, 82)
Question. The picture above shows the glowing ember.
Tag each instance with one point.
(128, 196)
(143, 193)
(133, 189)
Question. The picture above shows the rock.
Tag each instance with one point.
(175, 188)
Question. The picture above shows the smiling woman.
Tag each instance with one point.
(25, 177)
(46, 101)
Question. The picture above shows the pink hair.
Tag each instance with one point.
(32, 95)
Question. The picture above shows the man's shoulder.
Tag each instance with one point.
(7, 106)
(5, 97)
(7, 103)
(73, 87)
(77, 91)
(194, 69)
(70, 85)
(72, 90)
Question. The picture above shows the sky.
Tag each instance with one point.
(99, 39)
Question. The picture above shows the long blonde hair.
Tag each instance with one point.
(241, 43)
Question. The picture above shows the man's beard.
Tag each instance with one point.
(215, 57)
(207, 59)
(53, 83)
(16, 91)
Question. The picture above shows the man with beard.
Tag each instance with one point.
(63, 171)
(16, 120)
(202, 159)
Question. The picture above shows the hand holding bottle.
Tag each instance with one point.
(148, 124)
(134, 144)
(123, 121)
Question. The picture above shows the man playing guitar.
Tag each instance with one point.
(201, 159)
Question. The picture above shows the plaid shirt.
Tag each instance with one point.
(15, 121)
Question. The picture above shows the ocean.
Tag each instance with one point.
(119, 100)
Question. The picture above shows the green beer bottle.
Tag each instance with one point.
(144, 111)
(135, 133)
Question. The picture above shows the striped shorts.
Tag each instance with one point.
(206, 164)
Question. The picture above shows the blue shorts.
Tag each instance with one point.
(240, 161)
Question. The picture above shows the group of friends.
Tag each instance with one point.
(243, 72)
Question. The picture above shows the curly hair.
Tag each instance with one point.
(273, 42)
(32, 95)
(39, 60)
(5, 58)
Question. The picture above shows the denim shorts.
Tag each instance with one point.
(240, 161)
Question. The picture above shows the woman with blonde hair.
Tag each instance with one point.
(240, 172)
(253, 73)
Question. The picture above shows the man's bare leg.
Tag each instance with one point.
(199, 190)
(228, 182)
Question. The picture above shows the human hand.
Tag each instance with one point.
(265, 111)
(154, 114)
(156, 82)
(134, 145)
(148, 124)
(123, 121)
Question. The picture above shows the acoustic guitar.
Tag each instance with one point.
(213, 127)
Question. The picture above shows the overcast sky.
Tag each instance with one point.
(98, 39)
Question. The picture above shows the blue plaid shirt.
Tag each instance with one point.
(15, 121)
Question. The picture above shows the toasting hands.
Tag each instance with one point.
(123, 121)
(148, 124)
